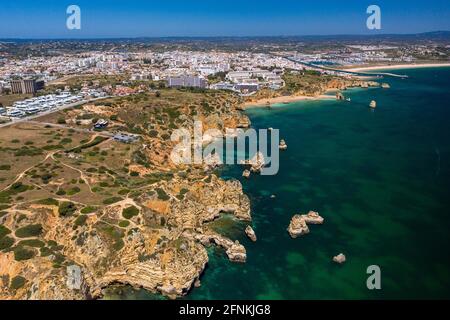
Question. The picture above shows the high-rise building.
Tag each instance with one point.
(26, 86)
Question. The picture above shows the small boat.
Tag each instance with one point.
(373, 104)
(348, 99)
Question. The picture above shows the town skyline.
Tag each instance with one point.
(47, 20)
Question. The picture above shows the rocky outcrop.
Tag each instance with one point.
(385, 86)
(373, 104)
(250, 233)
(340, 258)
(234, 250)
(256, 163)
(299, 223)
(283, 145)
(313, 218)
(163, 251)
(298, 227)
(246, 173)
(339, 96)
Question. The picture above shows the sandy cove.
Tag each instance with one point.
(398, 66)
(285, 100)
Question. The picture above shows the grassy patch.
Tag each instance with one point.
(16, 188)
(112, 200)
(96, 141)
(49, 202)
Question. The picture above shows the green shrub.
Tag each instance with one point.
(66, 209)
(4, 231)
(123, 192)
(32, 243)
(5, 167)
(60, 192)
(32, 230)
(45, 252)
(61, 121)
(118, 245)
(88, 209)
(21, 254)
(6, 243)
(80, 221)
(73, 191)
(112, 200)
(124, 223)
(17, 282)
(66, 141)
(130, 212)
(162, 195)
(49, 202)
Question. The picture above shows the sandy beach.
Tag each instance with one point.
(281, 100)
(399, 66)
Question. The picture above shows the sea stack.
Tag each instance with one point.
(298, 226)
(283, 145)
(250, 233)
(312, 218)
(339, 96)
(340, 258)
(236, 252)
(373, 104)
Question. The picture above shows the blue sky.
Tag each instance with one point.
(154, 18)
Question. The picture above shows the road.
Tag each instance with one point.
(67, 106)
(105, 134)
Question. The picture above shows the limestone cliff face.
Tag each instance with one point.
(163, 249)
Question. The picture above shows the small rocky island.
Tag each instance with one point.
(299, 223)
(283, 145)
(250, 233)
(340, 258)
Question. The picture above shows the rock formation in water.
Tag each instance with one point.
(250, 233)
(339, 96)
(298, 226)
(256, 163)
(299, 223)
(340, 258)
(313, 218)
(283, 145)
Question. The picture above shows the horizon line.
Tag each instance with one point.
(222, 36)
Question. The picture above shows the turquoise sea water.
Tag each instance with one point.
(381, 180)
